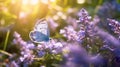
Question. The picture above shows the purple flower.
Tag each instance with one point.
(84, 16)
(12, 64)
(69, 33)
(41, 53)
(81, 35)
(115, 26)
(58, 45)
(30, 46)
(16, 35)
(25, 48)
(78, 56)
(107, 37)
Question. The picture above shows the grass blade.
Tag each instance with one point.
(6, 40)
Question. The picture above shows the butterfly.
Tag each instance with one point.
(40, 33)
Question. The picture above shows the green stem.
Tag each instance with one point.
(6, 39)
(38, 59)
(6, 53)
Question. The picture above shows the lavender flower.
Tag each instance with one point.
(83, 16)
(69, 33)
(78, 56)
(41, 53)
(115, 26)
(26, 52)
(51, 47)
(107, 37)
(85, 26)
(81, 34)
(12, 64)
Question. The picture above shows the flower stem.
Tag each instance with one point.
(6, 39)
(6, 53)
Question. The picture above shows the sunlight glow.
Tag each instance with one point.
(45, 1)
(64, 17)
(13, 1)
(2, 21)
(80, 1)
(59, 13)
(34, 2)
(25, 2)
(55, 17)
(52, 0)
(22, 15)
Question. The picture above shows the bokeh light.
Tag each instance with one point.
(22, 15)
(80, 1)
(34, 2)
(52, 0)
(45, 1)
(25, 2)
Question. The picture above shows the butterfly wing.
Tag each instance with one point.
(40, 32)
(38, 37)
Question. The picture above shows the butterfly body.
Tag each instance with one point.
(40, 32)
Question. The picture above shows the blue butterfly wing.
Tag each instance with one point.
(37, 36)
(40, 32)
